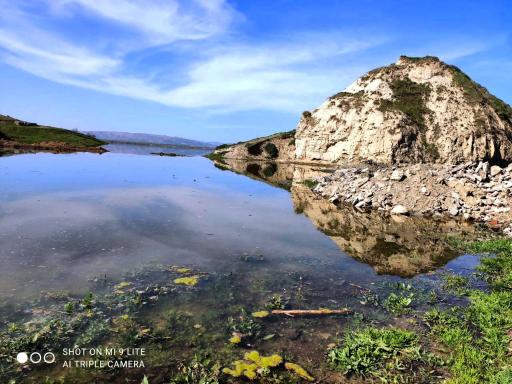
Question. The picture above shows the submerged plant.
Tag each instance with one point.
(277, 302)
(398, 303)
(455, 283)
(198, 371)
(245, 326)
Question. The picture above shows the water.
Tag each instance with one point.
(153, 149)
(78, 223)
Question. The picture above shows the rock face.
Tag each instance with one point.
(416, 110)
(278, 147)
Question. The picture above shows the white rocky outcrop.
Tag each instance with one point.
(416, 110)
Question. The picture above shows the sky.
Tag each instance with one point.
(225, 71)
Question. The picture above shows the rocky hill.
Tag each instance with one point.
(415, 110)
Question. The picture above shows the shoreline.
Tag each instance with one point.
(50, 146)
(472, 192)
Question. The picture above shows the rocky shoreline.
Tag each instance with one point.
(473, 191)
(47, 146)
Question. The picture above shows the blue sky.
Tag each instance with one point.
(226, 70)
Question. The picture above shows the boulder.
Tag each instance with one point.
(399, 210)
(397, 175)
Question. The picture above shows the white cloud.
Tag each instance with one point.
(282, 75)
(162, 21)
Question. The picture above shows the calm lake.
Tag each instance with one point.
(122, 227)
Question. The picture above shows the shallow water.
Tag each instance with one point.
(83, 222)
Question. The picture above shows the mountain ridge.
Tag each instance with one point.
(147, 138)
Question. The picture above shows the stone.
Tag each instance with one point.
(495, 170)
(397, 175)
(424, 191)
(399, 210)
(453, 210)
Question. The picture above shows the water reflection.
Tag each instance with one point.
(138, 149)
(403, 246)
(65, 219)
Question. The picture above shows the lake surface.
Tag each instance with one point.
(71, 221)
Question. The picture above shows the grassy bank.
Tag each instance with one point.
(462, 344)
(35, 134)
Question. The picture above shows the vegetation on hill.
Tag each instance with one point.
(29, 133)
(409, 98)
(476, 94)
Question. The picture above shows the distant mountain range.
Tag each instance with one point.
(148, 139)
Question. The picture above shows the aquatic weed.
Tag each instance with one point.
(455, 283)
(201, 370)
(398, 303)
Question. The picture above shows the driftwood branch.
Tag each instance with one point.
(311, 312)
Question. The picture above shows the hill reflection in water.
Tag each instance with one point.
(402, 246)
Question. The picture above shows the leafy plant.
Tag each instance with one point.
(277, 302)
(198, 371)
(398, 303)
(372, 350)
(245, 325)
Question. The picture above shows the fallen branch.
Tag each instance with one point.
(309, 312)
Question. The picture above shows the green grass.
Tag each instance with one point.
(271, 150)
(468, 343)
(216, 156)
(475, 337)
(38, 134)
(310, 183)
(409, 98)
(455, 283)
(476, 94)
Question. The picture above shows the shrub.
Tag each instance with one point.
(271, 150)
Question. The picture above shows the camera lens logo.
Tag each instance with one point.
(35, 357)
(22, 357)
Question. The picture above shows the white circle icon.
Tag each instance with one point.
(22, 357)
(49, 358)
(35, 357)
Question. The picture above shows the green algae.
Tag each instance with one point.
(260, 314)
(189, 280)
(298, 370)
(252, 364)
(235, 339)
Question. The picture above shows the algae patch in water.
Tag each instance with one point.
(189, 280)
(235, 339)
(297, 369)
(182, 270)
(260, 314)
(253, 363)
